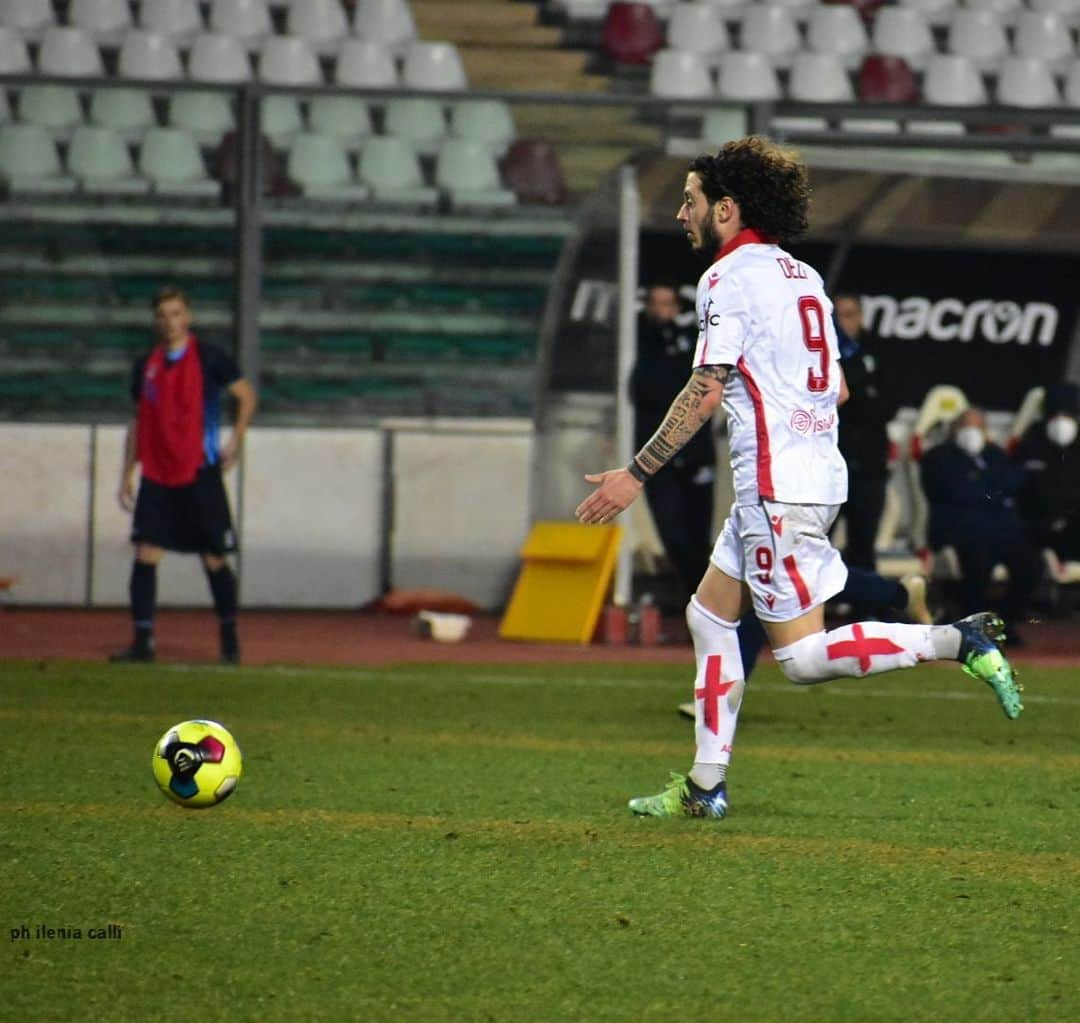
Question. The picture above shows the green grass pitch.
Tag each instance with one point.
(451, 843)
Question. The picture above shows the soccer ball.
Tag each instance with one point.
(197, 764)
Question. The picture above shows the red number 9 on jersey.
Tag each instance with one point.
(812, 319)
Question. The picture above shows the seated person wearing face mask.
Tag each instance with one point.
(1049, 453)
(971, 485)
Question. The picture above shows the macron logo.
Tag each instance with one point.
(714, 280)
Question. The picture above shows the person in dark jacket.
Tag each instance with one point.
(971, 485)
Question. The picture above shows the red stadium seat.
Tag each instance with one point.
(632, 33)
(533, 171)
(887, 80)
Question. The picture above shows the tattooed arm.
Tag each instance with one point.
(692, 408)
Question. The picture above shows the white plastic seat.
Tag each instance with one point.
(179, 19)
(697, 28)
(936, 12)
(171, 161)
(207, 115)
(246, 20)
(149, 55)
(320, 23)
(343, 118)
(837, 30)
(1006, 10)
(488, 122)
(29, 160)
(1043, 35)
(286, 60)
(391, 169)
(953, 81)
(1069, 10)
(1026, 82)
(14, 54)
(385, 21)
(979, 35)
(29, 18)
(54, 107)
(466, 171)
(420, 122)
(281, 119)
(818, 78)
(218, 58)
(105, 21)
(318, 164)
(99, 159)
(126, 111)
(434, 66)
(681, 75)
(903, 32)
(748, 77)
(365, 65)
(68, 52)
(770, 30)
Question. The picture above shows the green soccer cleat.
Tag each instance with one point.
(980, 657)
(682, 798)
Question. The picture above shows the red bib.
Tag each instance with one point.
(169, 419)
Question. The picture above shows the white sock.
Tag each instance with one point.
(946, 640)
(853, 651)
(718, 691)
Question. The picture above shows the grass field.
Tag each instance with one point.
(448, 843)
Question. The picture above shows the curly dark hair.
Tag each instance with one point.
(769, 183)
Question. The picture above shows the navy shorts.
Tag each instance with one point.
(193, 519)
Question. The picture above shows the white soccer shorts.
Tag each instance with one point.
(783, 553)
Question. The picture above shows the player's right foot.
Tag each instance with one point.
(134, 654)
(682, 798)
(981, 658)
(917, 610)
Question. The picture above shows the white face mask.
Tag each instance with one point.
(1062, 430)
(970, 439)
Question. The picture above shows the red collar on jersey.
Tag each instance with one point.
(747, 236)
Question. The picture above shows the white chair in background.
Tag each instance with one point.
(218, 58)
(389, 22)
(800, 9)
(1005, 10)
(680, 75)
(99, 158)
(770, 30)
(467, 172)
(838, 31)
(936, 12)
(979, 35)
(53, 107)
(105, 21)
(391, 168)
(1045, 36)
(208, 116)
(320, 23)
(1026, 82)
(365, 64)
(171, 161)
(903, 32)
(29, 18)
(128, 112)
(815, 78)
(14, 54)
(29, 160)
(69, 52)
(1069, 10)
(343, 118)
(434, 66)
(1072, 84)
(697, 28)
(246, 20)
(487, 121)
(419, 122)
(748, 77)
(149, 55)
(318, 164)
(179, 19)
(287, 60)
(730, 11)
(953, 81)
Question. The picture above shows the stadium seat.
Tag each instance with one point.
(128, 112)
(770, 30)
(885, 79)
(837, 30)
(1045, 36)
(29, 160)
(320, 23)
(489, 122)
(245, 20)
(818, 78)
(748, 77)
(54, 107)
(979, 35)
(281, 119)
(419, 122)
(389, 22)
(697, 28)
(953, 81)
(390, 167)
(532, 169)
(68, 52)
(903, 32)
(99, 159)
(1006, 11)
(680, 75)
(365, 64)
(466, 170)
(800, 9)
(208, 116)
(343, 118)
(14, 54)
(1026, 82)
(434, 66)
(286, 60)
(730, 11)
(149, 55)
(105, 21)
(723, 124)
(632, 33)
(1069, 10)
(218, 58)
(171, 161)
(29, 18)
(1072, 84)
(178, 19)
(5, 108)
(318, 164)
(937, 13)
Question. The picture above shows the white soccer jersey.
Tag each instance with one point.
(767, 314)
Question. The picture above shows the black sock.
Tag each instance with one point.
(143, 592)
(223, 589)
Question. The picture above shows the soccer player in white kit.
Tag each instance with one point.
(767, 349)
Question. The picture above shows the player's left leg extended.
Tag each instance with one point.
(222, 584)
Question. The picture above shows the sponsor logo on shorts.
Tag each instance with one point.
(805, 422)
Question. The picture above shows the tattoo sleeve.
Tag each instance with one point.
(692, 407)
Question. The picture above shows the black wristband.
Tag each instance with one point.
(635, 470)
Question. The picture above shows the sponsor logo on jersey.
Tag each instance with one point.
(804, 421)
(952, 319)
